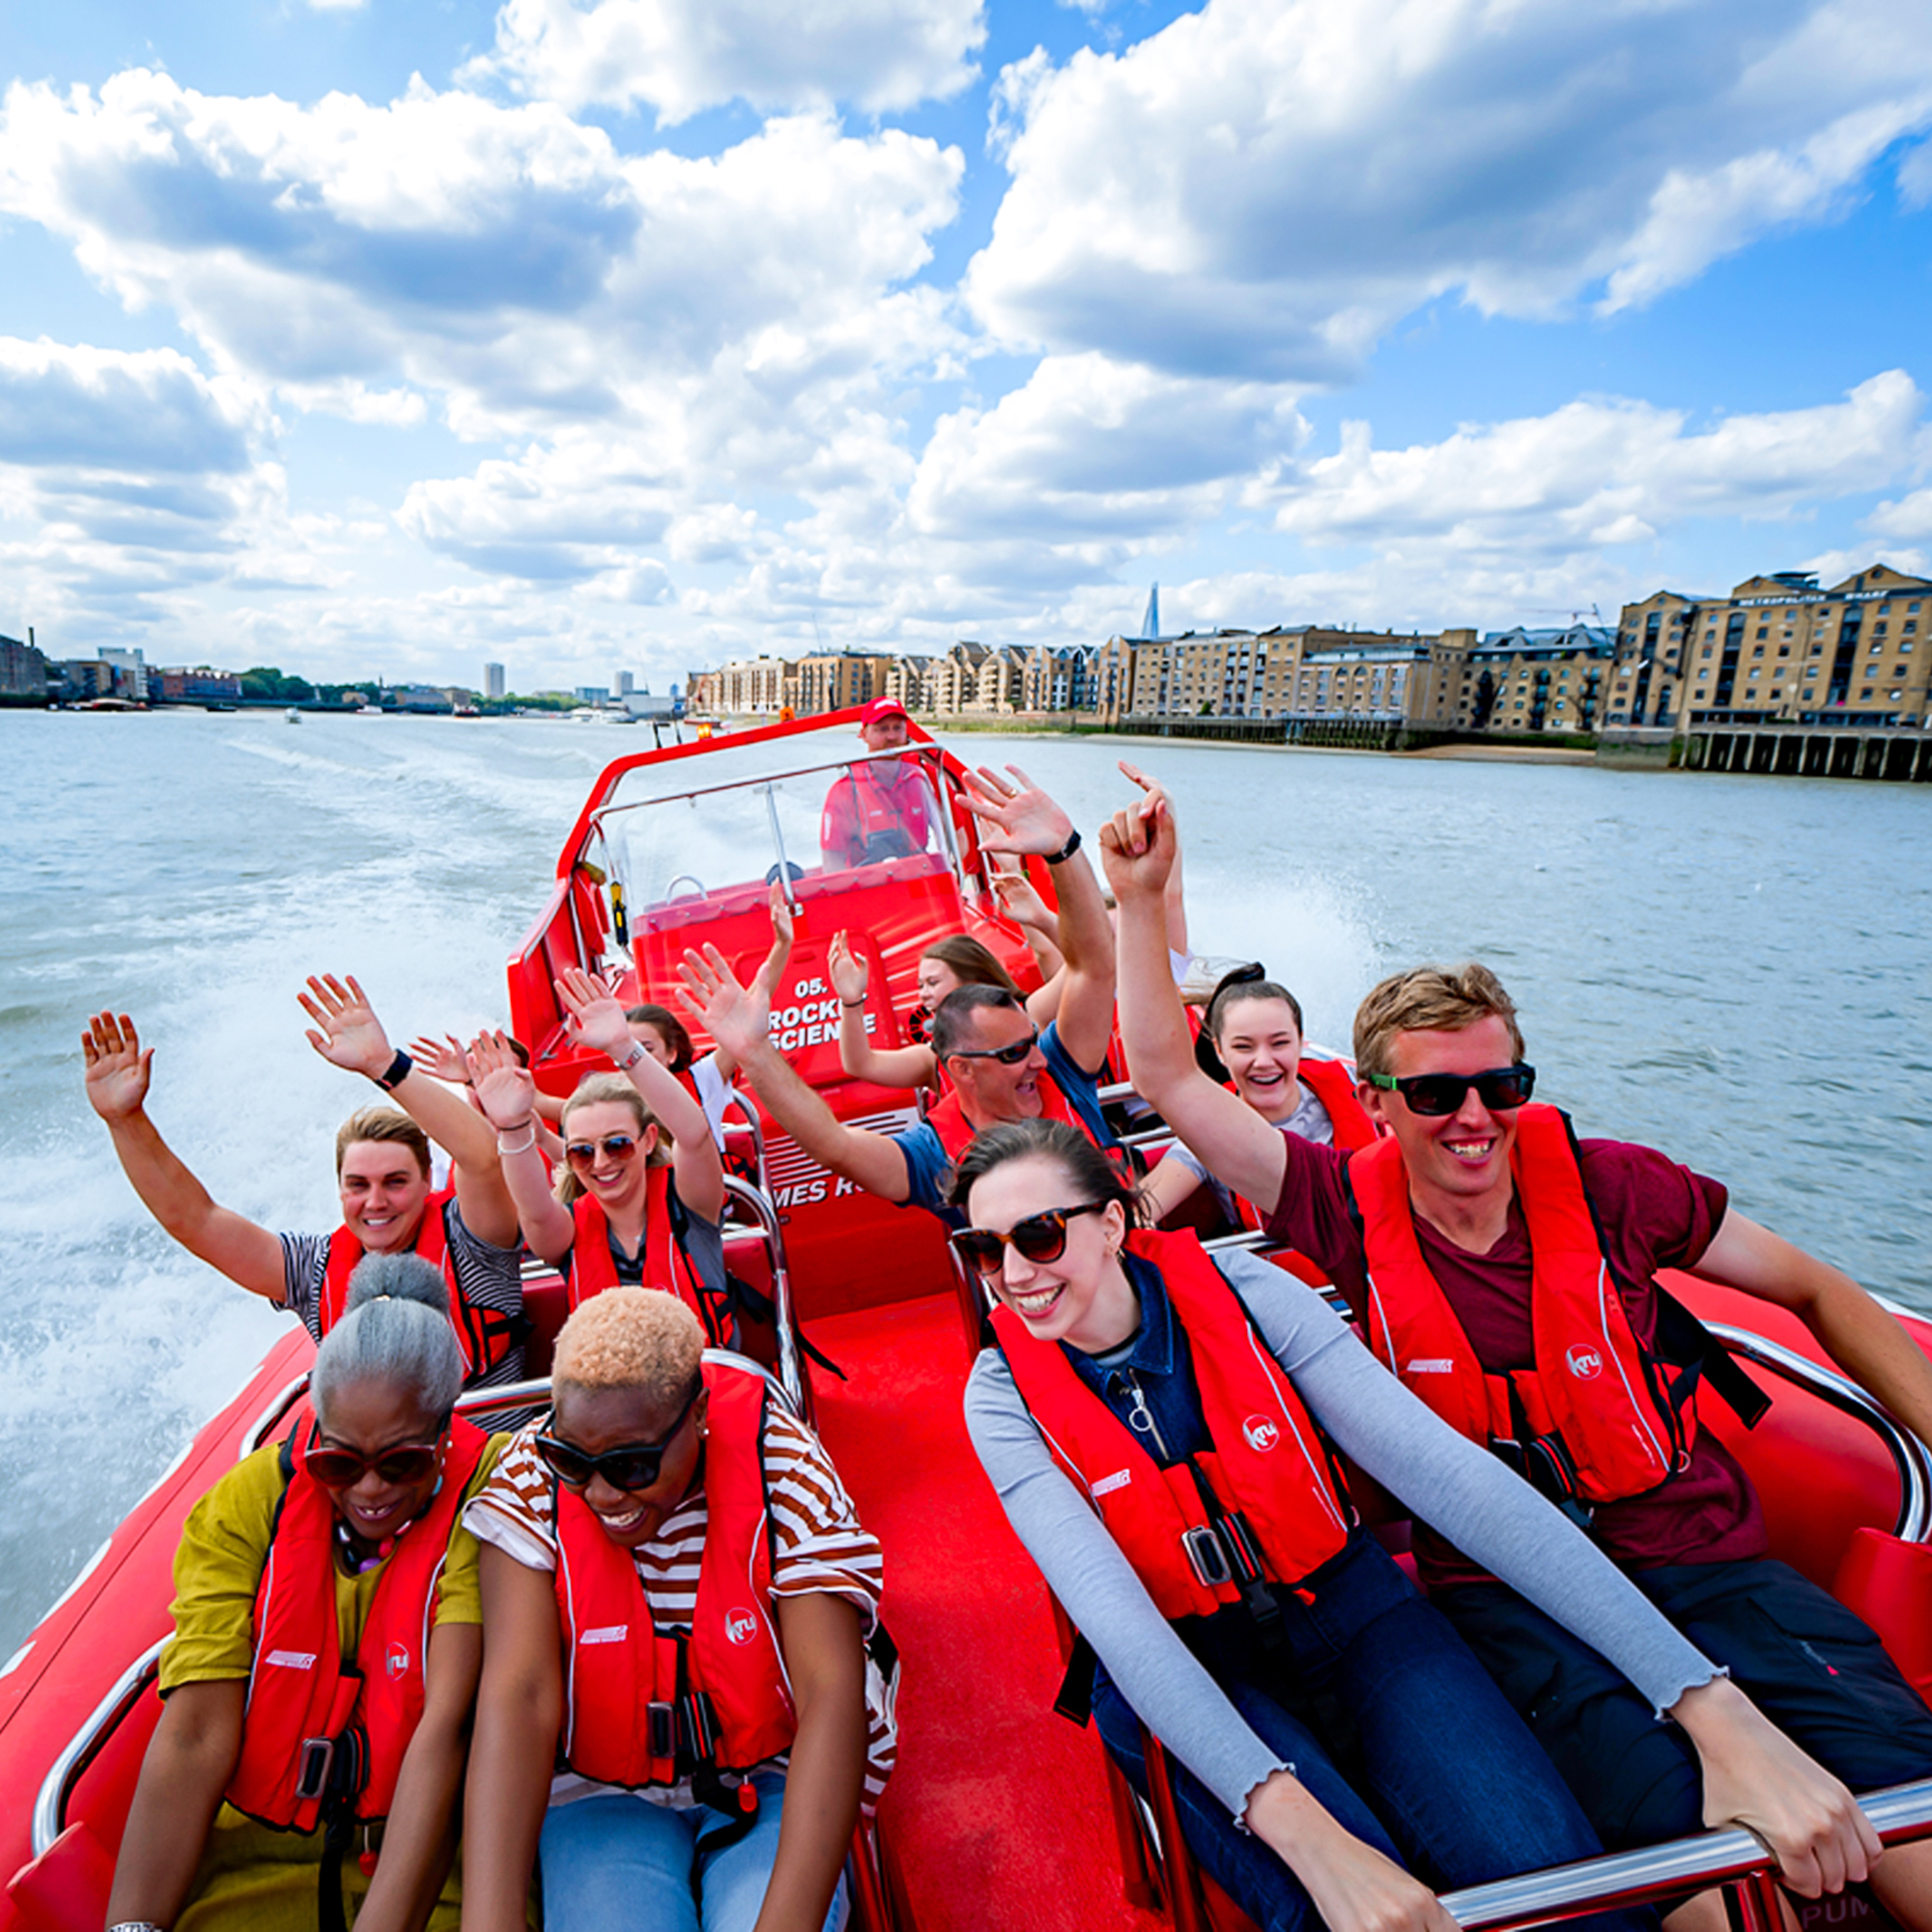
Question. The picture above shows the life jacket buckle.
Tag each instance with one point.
(1208, 1557)
(661, 1722)
(314, 1761)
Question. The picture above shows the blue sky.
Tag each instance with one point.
(582, 334)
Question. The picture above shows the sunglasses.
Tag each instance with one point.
(635, 1466)
(1007, 1056)
(1040, 1238)
(616, 1147)
(1500, 1087)
(404, 1467)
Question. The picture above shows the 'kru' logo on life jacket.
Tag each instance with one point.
(1262, 1433)
(740, 1626)
(1585, 1364)
(398, 1660)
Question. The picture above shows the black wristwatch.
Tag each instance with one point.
(395, 1074)
(1066, 851)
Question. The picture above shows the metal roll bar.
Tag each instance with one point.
(1909, 1456)
(64, 1773)
(1733, 1858)
(757, 1204)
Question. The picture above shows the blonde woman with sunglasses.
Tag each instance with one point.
(643, 1187)
(327, 1643)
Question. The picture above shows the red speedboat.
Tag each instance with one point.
(1001, 1814)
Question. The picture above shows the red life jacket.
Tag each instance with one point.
(946, 1118)
(634, 1693)
(590, 1267)
(1268, 1464)
(299, 1689)
(1332, 1082)
(1591, 1418)
(485, 1335)
(878, 808)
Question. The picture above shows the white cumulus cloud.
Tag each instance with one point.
(1602, 472)
(682, 56)
(1265, 187)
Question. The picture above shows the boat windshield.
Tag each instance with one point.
(707, 833)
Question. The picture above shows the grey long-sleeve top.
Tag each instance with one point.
(1444, 1478)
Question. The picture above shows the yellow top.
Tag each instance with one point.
(218, 1569)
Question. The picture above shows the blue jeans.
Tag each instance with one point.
(1441, 1774)
(618, 1863)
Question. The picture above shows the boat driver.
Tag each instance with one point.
(1473, 1240)
(390, 1202)
(880, 809)
(1000, 1066)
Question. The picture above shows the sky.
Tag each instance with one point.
(358, 336)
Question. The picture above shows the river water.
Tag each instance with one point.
(1731, 968)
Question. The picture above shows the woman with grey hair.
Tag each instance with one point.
(327, 1645)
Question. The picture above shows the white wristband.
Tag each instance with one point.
(631, 1059)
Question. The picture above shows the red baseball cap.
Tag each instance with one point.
(883, 707)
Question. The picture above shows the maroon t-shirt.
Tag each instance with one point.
(1653, 1214)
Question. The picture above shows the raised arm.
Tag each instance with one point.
(1868, 1343)
(1226, 1135)
(740, 1022)
(825, 1662)
(419, 1833)
(770, 973)
(1025, 821)
(507, 1094)
(346, 1034)
(118, 1071)
(519, 1713)
(1174, 898)
(882, 1065)
(596, 1020)
(1041, 929)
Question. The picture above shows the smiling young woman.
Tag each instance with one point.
(306, 1722)
(1156, 1425)
(680, 1611)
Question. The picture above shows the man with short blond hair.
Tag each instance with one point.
(1474, 1240)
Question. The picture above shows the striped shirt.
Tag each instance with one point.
(489, 1277)
(818, 1544)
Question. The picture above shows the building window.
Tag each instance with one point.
(1764, 630)
(1708, 648)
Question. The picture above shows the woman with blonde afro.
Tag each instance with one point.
(677, 1604)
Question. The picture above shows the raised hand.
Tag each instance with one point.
(350, 1036)
(1026, 819)
(1024, 906)
(1153, 787)
(117, 1068)
(505, 1089)
(592, 1013)
(737, 1017)
(771, 970)
(849, 972)
(1137, 853)
(441, 1060)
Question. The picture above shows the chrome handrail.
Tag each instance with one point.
(285, 1398)
(927, 753)
(1909, 1456)
(759, 1205)
(1660, 1872)
(64, 1773)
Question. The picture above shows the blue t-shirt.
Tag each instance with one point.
(928, 1163)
